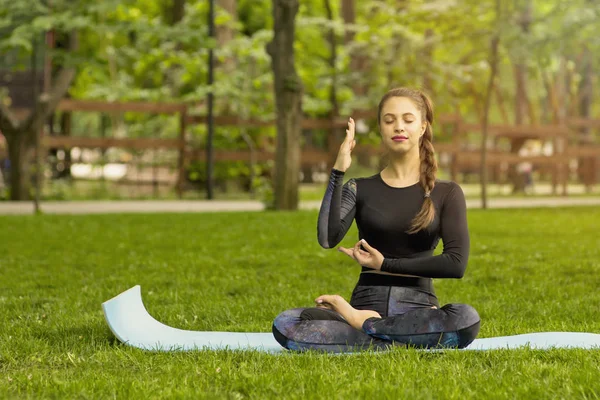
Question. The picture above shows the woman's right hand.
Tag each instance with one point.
(344, 158)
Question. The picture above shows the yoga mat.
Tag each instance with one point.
(131, 323)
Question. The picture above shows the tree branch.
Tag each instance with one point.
(48, 102)
(8, 122)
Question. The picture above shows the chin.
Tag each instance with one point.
(400, 150)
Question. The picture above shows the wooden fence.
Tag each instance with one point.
(564, 138)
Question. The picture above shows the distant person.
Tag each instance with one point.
(525, 169)
(401, 214)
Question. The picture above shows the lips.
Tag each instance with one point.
(399, 138)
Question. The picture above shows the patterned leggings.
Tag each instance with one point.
(408, 319)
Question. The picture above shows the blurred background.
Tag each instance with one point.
(142, 99)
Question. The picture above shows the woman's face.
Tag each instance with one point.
(401, 125)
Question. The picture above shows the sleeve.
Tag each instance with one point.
(454, 232)
(337, 210)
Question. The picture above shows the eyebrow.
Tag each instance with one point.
(393, 115)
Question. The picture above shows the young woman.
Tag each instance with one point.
(401, 214)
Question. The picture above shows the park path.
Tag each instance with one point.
(187, 206)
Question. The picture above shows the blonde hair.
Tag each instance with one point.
(426, 153)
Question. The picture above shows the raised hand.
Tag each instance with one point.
(344, 158)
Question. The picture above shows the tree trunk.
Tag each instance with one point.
(586, 164)
(348, 15)
(224, 32)
(65, 123)
(560, 169)
(428, 61)
(521, 102)
(334, 139)
(288, 99)
(486, 110)
(173, 14)
(19, 152)
(21, 135)
(358, 61)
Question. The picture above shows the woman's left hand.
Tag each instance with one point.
(371, 258)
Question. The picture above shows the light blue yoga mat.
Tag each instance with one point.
(131, 323)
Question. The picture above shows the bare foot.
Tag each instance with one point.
(355, 317)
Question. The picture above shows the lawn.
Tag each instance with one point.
(530, 271)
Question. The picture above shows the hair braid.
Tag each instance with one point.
(427, 180)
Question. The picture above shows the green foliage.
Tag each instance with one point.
(238, 271)
(254, 16)
(129, 50)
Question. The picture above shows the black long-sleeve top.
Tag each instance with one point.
(383, 215)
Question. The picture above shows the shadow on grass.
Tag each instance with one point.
(96, 334)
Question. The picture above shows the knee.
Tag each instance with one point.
(466, 322)
(467, 335)
(287, 319)
(464, 315)
(284, 323)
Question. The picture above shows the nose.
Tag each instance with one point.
(399, 126)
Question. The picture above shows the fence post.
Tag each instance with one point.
(181, 161)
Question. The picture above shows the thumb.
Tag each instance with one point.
(367, 246)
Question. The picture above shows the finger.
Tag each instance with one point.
(350, 254)
(324, 301)
(358, 258)
(346, 251)
(361, 259)
(367, 246)
(363, 253)
(359, 255)
(351, 126)
(348, 138)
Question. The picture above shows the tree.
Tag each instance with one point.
(21, 134)
(26, 21)
(288, 100)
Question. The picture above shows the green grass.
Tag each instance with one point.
(529, 271)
